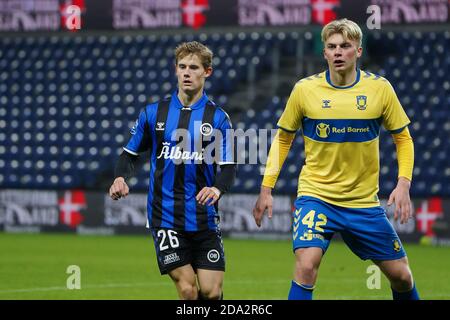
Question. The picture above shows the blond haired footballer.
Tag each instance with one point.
(182, 210)
(340, 112)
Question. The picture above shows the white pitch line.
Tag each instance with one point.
(388, 297)
(121, 285)
(33, 289)
(89, 286)
(167, 284)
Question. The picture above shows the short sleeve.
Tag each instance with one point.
(225, 126)
(394, 117)
(140, 136)
(292, 116)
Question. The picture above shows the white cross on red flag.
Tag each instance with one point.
(192, 11)
(70, 206)
(323, 10)
(426, 215)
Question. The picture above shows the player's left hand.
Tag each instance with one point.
(208, 196)
(400, 196)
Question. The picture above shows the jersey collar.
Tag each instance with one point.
(199, 104)
(327, 76)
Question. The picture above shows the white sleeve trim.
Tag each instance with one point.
(226, 162)
(129, 151)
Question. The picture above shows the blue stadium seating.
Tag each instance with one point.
(67, 101)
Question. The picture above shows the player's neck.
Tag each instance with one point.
(189, 99)
(343, 79)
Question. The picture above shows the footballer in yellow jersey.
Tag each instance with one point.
(341, 128)
(340, 113)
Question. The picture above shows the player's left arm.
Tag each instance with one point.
(225, 178)
(405, 157)
(224, 181)
(396, 121)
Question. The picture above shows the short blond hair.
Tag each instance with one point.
(349, 30)
(203, 52)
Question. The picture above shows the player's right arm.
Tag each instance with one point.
(119, 189)
(277, 155)
(124, 169)
(288, 124)
(140, 142)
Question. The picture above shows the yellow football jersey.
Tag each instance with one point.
(340, 127)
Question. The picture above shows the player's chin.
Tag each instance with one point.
(341, 68)
(189, 89)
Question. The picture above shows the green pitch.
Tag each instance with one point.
(33, 266)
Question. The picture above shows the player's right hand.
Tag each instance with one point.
(119, 189)
(264, 202)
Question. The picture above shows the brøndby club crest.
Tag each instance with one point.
(361, 102)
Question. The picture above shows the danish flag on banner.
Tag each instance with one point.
(427, 213)
(192, 11)
(69, 208)
(323, 10)
(63, 10)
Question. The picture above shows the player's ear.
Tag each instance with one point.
(359, 52)
(208, 71)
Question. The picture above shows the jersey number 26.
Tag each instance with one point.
(169, 235)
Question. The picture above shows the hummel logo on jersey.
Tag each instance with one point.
(326, 104)
(160, 126)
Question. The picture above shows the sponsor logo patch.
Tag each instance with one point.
(171, 258)
(213, 255)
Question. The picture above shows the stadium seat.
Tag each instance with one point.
(72, 99)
